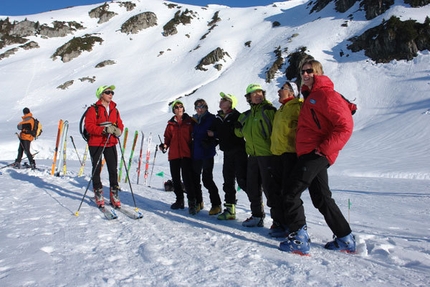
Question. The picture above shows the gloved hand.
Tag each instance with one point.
(238, 125)
(162, 147)
(112, 130)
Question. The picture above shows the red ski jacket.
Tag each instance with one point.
(177, 137)
(325, 120)
(97, 115)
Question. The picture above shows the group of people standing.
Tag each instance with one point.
(280, 153)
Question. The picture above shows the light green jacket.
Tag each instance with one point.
(257, 128)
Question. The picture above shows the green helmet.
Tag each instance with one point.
(230, 98)
(253, 87)
(101, 89)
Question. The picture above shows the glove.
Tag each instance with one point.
(112, 130)
(162, 147)
(238, 125)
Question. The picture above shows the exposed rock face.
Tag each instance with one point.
(211, 58)
(102, 13)
(393, 39)
(270, 74)
(75, 47)
(15, 32)
(139, 22)
(105, 63)
(179, 18)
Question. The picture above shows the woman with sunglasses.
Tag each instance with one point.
(104, 125)
(177, 139)
(325, 125)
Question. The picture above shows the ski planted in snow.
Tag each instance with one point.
(84, 159)
(57, 144)
(139, 164)
(136, 135)
(124, 144)
(148, 155)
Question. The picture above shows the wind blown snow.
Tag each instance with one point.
(380, 180)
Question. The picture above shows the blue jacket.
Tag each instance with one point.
(203, 145)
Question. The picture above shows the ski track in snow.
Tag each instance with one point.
(172, 248)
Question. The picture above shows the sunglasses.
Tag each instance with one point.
(109, 92)
(309, 71)
(178, 107)
(200, 107)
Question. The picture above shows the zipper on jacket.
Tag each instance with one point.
(315, 117)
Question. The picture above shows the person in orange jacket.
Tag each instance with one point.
(25, 139)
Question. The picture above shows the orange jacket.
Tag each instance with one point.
(25, 126)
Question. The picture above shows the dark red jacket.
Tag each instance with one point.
(93, 120)
(325, 120)
(177, 137)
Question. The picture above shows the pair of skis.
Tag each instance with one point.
(60, 150)
(147, 159)
(148, 154)
(136, 135)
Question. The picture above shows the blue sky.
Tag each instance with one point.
(25, 7)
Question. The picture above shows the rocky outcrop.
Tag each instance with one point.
(102, 13)
(212, 58)
(16, 31)
(105, 63)
(393, 40)
(75, 47)
(270, 74)
(139, 22)
(179, 18)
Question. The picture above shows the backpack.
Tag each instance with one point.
(84, 133)
(352, 106)
(37, 129)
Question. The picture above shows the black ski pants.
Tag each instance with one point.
(311, 172)
(280, 169)
(24, 146)
(234, 168)
(111, 157)
(205, 167)
(257, 182)
(182, 166)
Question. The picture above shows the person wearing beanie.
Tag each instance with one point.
(234, 154)
(104, 125)
(177, 140)
(25, 139)
(283, 148)
(255, 126)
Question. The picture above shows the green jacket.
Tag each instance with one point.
(256, 128)
(285, 127)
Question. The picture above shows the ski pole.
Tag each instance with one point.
(92, 175)
(153, 164)
(73, 142)
(22, 159)
(161, 143)
(128, 177)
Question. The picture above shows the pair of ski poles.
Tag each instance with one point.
(95, 169)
